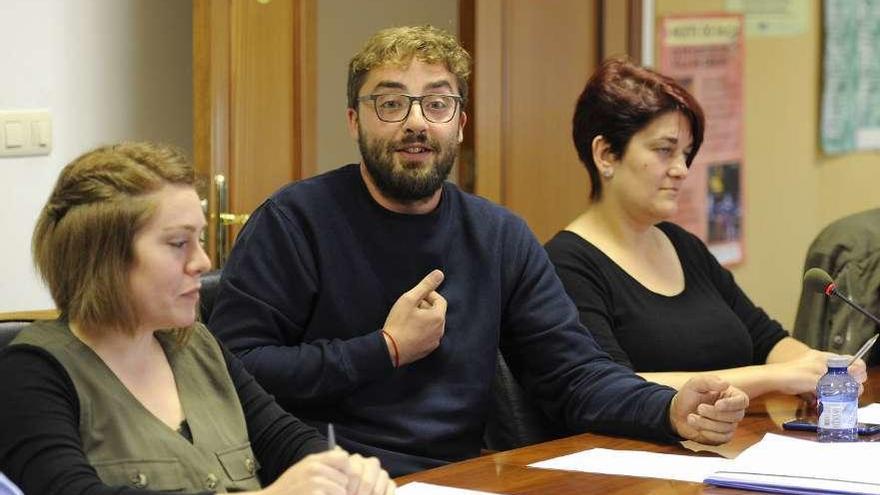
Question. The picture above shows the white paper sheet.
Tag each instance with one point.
(870, 413)
(418, 488)
(788, 456)
(776, 461)
(636, 463)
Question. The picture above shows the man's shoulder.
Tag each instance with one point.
(321, 184)
(483, 209)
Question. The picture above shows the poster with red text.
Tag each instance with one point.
(705, 54)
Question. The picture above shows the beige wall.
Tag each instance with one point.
(791, 189)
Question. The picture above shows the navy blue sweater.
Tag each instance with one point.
(318, 266)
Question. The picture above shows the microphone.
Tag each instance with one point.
(818, 280)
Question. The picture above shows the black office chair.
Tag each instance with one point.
(9, 329)
(514, 420)
(210, 283)
(208, 292)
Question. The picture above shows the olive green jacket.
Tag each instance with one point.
(849, 250)
(127, 445)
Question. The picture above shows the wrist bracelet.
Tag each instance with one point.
(394, 346)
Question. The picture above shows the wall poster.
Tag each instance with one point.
(705, 53)
(773, 17)
(851, 76)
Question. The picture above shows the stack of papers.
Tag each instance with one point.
(776, 464)
(870, 413)
(791, 465)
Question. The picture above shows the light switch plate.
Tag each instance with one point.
(14, 134)
(25, 132)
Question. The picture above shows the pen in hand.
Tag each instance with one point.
(331, 436)
(865, 347)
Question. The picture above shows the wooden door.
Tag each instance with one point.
(254, 102)
(531, 61)
(253, 89)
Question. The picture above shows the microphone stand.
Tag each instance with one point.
(831, 289)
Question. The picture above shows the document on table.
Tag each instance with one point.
(637, 463)
(870, 413)
(418, 488)
(777, 464)
(791, 465)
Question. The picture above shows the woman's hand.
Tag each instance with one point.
(368, 478)
(800, 376)
(335, 472)
(859, 371)
(326, 473)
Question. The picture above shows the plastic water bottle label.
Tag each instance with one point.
(836, 415)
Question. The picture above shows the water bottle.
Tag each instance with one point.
(838, 401)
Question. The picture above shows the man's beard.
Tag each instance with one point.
(412, 181)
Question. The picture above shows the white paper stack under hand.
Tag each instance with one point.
(790, 465)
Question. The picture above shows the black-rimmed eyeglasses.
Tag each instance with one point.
(438, 109)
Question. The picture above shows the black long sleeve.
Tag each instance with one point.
(278, 439)
(710, 325)
(41, 450)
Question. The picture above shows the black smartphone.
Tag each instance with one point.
(810, 425)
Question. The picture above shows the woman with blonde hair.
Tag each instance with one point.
(125, 392)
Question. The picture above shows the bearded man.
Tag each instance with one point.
(376, 296)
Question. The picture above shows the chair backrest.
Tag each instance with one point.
(208, 292)
(9, 329)
(514, 420)
(210, 283)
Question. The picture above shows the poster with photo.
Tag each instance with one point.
(705, 54)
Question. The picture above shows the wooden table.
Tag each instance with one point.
(507, 472)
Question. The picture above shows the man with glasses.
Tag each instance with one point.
(376, 296)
